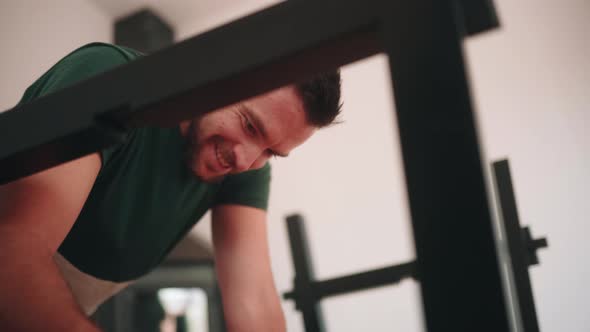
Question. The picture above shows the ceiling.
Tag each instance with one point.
(181, 12)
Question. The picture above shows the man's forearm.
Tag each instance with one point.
(254, 314)
(263, 321)
(34, 296)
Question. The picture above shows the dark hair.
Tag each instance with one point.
(321, 98)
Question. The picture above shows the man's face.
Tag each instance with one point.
(245, 135)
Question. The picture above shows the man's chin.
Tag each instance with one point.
(208, 178)
(204, 175)
(211, 180)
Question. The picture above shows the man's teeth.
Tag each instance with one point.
(222, 161)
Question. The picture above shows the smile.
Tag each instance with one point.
(220, 158)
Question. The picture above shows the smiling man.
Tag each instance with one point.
(78, 233)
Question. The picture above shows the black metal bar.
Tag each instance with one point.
(456, 255)
(365, 280)
(518, 246)
(358, 281)
(478, 16)
(532, 245)
(304, 292)
(50, 139)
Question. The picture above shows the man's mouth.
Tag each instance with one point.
(223, 157)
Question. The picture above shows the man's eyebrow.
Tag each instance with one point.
(260, 125)
(257, 122)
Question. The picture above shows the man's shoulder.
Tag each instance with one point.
(80, 64)
(100, 53)
(245, 178)
(250, 188)
(109, 50)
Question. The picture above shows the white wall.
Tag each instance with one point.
(35, 34)
(211, 14)
(532, 88)
(531, 84)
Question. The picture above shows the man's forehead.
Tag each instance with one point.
(282, 116)
(283, 103)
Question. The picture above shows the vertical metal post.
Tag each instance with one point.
(456, 256)
(517, 246)
(305, 297)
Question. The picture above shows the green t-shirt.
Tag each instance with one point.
(145, 199)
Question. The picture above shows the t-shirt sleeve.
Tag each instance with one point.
(249, 188)
(78, 66)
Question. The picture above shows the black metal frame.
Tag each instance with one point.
(308, 292)
(520, 245)
(290, 42)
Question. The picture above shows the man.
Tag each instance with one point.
(76, 234)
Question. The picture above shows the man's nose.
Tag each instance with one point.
(247, 156)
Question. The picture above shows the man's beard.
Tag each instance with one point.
(191, 154)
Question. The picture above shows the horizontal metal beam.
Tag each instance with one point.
(366, 280)
(287, 43)
(358, 281)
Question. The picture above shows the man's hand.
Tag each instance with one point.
(242, 262)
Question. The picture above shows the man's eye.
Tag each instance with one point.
(272, 154)
(250, 127)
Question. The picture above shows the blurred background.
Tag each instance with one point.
(531, 88)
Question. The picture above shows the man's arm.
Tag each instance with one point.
(242, 262)
(36, 214)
